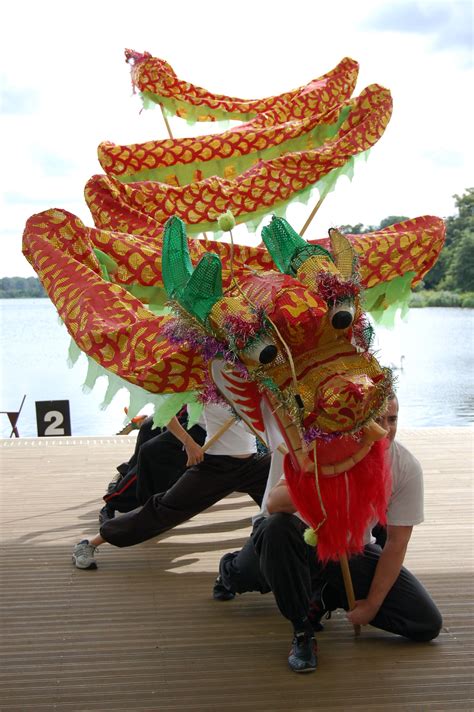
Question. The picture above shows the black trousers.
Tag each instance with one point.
(146, 432)
(199, 488)
(240, 570)
(277, 558)
(162, 461)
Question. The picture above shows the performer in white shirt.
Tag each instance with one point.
(230, 464)
(388, 596)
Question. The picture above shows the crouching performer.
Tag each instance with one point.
(387, 595)
(230, 464)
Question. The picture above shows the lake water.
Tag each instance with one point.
(434, 347)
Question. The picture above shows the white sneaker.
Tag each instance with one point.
(83, 555)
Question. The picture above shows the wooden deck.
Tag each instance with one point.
(143, 633)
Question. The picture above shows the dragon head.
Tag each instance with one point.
(299, 339)
(290, 352)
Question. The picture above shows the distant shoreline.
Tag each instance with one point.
(23, 296)
(418, 300)
(31, 288)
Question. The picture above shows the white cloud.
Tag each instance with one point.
(447, 24)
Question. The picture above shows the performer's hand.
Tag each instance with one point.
(363, 613)
(194, 452)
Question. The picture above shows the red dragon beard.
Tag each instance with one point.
(346, 504)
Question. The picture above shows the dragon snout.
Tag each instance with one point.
(347, 400)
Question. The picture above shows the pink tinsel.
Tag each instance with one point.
(333, 289)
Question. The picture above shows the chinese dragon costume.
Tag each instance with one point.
(278, 331)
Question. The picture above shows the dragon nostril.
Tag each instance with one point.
(299, 401)
(342, 319)
(268, 354)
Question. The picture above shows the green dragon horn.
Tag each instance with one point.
(197, 291)
(204, 288)
(176, 263)
(283, 243)
(288, 249)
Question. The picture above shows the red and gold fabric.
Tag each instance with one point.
(264, 187)
(157, 82)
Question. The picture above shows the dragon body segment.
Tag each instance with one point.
(266, 185)
(157, 82)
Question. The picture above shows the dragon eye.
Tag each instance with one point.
(263, 352)
(268, 354)
(342, 315)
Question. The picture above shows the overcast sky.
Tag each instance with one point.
(65, 87)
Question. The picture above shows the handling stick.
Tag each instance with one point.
(220, 432)
(346, 575)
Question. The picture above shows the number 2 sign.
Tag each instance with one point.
(52, 418)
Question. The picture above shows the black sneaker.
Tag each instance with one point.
(303, 655)
(220, 592)
(107, 512)
(317, 609)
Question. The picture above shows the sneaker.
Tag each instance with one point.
(317, 609)
(83, 555)
(107, 512)
(303, 655)
(220, 592)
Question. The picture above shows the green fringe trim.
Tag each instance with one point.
(155, 298)
(185, 173)
(253, 220)
(385, 299)
(190, 113)
(106, 263)
(165, 405)
(73, 352)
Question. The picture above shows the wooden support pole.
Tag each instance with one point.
(311, 216)
(346, 575)
(168, 128)
(166, 121)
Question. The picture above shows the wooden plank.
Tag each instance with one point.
(143, 633)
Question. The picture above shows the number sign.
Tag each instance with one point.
(52, 418)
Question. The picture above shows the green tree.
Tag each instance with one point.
(460, 273)
(453, 269)
(361, 229)
(391, 220)
(21, 287)
(358, 229)
(432, 279)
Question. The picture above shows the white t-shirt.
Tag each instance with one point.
(237, 441)
(405, 506)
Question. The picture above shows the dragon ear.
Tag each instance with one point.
(204, 287)
(196, 290)
(177, 267)
(343, 253)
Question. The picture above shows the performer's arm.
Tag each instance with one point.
(279, 499)
(386, 573)
(194, 451)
